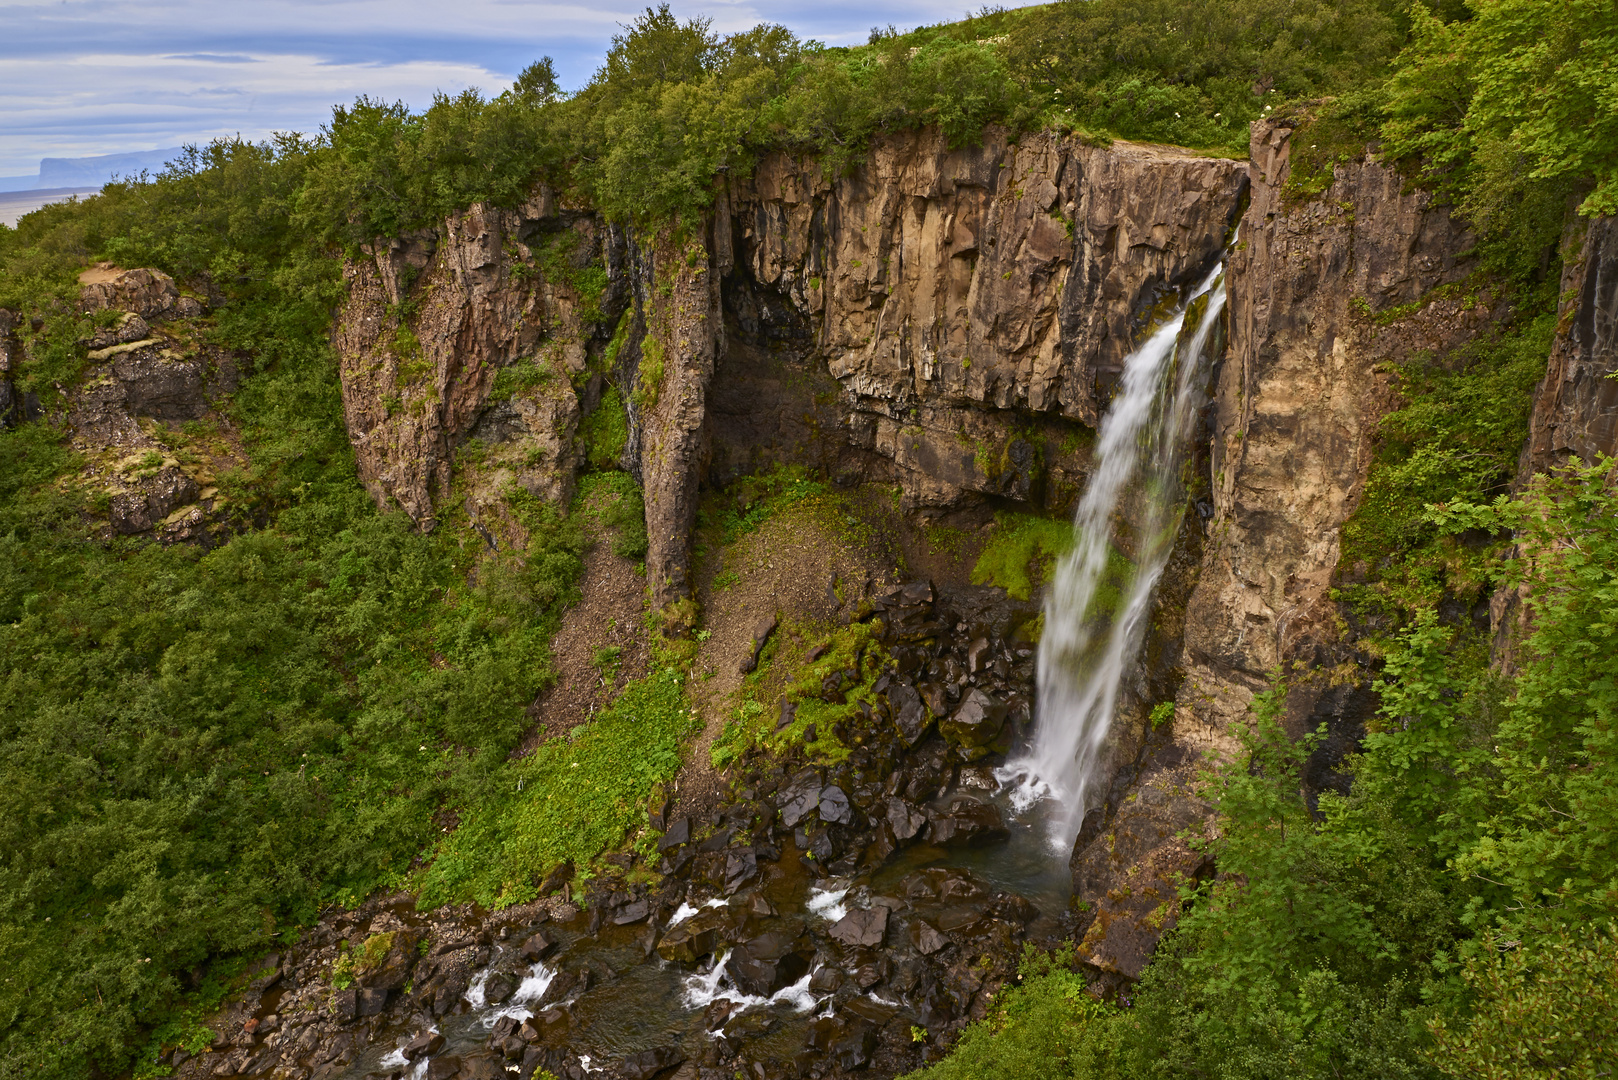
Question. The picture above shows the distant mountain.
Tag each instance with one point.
(89, 171)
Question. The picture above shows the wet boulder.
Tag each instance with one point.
(910, 716)
(769, 962)
(862, 928)
(696, 937)
(800, 798)
(925, 938)
(537, 947)
(905, 819)
(424, 1045)
(649, 1063)
(854, 1050)
(632, 912)
(741, 868)
(976, 723)
(444, 1068)
(499, 987)
(882, 847)
(825, 844)
(834, 806)
(679, 832)
(967, 822)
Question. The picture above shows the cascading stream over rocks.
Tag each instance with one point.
(1095, 611)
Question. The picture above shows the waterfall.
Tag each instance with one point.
(1097, 606)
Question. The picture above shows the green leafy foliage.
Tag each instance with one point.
(1456, 436)
(1520, 91)
(201, 749)
(571, 800)
(1546, 1006)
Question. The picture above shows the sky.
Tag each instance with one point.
(86, 77)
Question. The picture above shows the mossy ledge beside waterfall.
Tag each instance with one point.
(1100, 596)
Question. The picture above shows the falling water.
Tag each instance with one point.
(1095, 612)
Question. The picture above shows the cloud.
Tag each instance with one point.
(82, 77)
(215, 58)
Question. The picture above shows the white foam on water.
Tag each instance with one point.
(531, 989)
(797, 995)
(420, 1070)
(827, 903)
(681, 913)
(1099, 602)
(718, 901)
(394, 1059)
(705, 988)
(474, 993)
(884, 1001)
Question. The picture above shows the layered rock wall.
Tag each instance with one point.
(964, 299)
(1325, 296)
(1576, 405)
(430, 322)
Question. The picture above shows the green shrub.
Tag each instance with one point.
(573, 799)
(604, 432)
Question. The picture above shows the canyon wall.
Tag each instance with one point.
(1325, 294)
(952, 322)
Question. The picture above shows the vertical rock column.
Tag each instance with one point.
(1576, 406)
(683, 336)
(1296, 407)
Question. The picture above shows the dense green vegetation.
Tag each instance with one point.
(1452, 916)
(202, 749)
(675, 105)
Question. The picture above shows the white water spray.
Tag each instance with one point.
(1095, 612)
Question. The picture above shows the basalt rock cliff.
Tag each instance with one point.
(951, 322)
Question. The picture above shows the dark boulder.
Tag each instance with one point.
(770, 962)
(423, 1045)
(679, 832)
(862, 928)
(800, 798)
(976, 722)
(633, 912)
(648, 1063)
(444, 1068)
(967, 823)
(537, 947)
(910, 716)
(834, 806)
(499, 986)
(926, 939)
(905, 819)
(741, 868)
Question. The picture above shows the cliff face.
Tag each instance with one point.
(431, 322)
(952, 322)
(1296, 404)
(1318, 295)
(970, 301)
(1576, 406)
